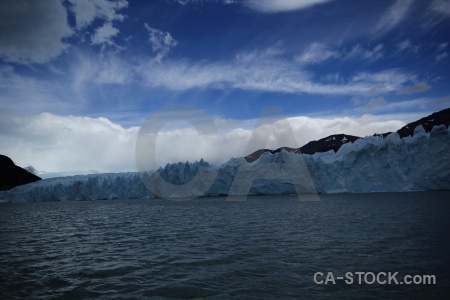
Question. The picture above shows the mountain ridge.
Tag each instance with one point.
(12, 175)
(335, 141)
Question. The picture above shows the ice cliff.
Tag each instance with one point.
(81, 187)
(373, 164)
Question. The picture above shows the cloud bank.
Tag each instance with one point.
(393, 16)
(55, 143)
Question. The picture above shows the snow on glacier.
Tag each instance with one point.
(373, 164)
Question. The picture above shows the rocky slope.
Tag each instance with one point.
(12, 175)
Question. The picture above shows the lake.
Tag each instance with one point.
(268, 247)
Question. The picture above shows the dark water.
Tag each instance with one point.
(263, 248)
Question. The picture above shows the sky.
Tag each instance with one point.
(78, 78)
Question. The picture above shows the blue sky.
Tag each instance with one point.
(97, 68)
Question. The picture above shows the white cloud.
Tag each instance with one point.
(86, 11)
(316, 53)
(393, 16)
(162, 42)
(270, 6)
(418, 87)
(54, 143)
(32, 31)
(103, 35)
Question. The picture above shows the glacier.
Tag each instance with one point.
(373, 164)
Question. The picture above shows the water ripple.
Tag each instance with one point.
(264, 248)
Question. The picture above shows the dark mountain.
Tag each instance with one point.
(335, 141)
(437, 118)
(332, 142)
(255, 155)
(12, 175)
(382, 134)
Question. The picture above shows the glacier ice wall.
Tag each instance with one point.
(81, 187)
(373, 164)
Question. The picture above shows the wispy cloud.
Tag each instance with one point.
(104, 35)
(384, 81)
(253, 72)
(393, 16)
(438, 11)
(87, 78)
(418, 87)
(441, 6)
(359, 52)
(316, 53)
(270, 6)
(86, 11)
(441, 52)
(105, 69)
(162, 42)
(29, 94)
(406, 46)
